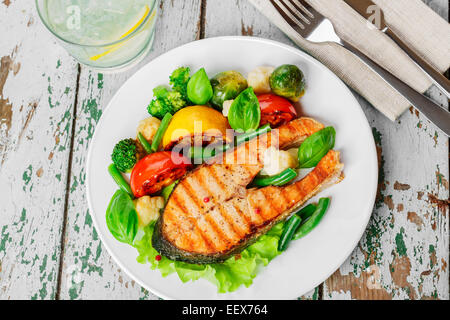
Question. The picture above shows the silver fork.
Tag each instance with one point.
(313, 26)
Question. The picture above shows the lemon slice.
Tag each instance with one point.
(146, 11)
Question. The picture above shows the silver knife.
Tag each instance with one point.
(374, 14)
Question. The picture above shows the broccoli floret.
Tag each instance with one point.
(158, 108)
(124, 155)
(179, 80)
(160, 92)
(165, 101)
(176, 101)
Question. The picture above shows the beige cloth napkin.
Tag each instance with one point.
(417, 24)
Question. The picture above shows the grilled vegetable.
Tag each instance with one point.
(227, 86)
(121, 217)
(314, 220)
(199, 89)
(157, 171)
(279, 180)
(288, 81)
(288, 232)
(316, 147)
(119, 179)
(276, 110)
(245, 114)
(199, 123)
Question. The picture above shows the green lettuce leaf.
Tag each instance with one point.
(228, 276)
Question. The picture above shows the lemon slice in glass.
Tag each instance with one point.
(145, 13)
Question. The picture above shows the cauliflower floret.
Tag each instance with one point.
(259, 79)
(226, 107)
(276, 161)
(147, 209)
(294, 153)
(148, 127)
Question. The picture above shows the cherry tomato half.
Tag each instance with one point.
(156, 171)
(276, 110)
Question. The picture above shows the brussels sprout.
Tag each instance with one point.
(288, 81)
(227, 86)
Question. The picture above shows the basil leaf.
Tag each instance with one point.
(121, 217)
(315, 147)
(199, 88)
(245, 113)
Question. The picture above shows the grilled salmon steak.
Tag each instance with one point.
(211, 215)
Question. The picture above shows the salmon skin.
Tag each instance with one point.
(211, 215)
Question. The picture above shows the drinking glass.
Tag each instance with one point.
(106, 35)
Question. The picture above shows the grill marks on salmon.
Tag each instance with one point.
(250, 154)
(291, 197)
(198, 231)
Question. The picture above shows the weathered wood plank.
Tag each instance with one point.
(237, 17)
(88, 270)
(404, 251)
(405, 247)
(37, 92)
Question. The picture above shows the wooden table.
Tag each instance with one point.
(50, 105)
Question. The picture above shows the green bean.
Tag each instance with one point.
(206, 153)
(160, 132)
(279, 180)
(167, 191)
(119, 179)
(314, 220)
(307, 211)
(249, 136)
(201, 153)
(144, 143)
(288, 232)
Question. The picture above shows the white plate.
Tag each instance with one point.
(309, 261)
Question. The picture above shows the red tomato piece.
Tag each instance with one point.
(276, 110)
(156, 171)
